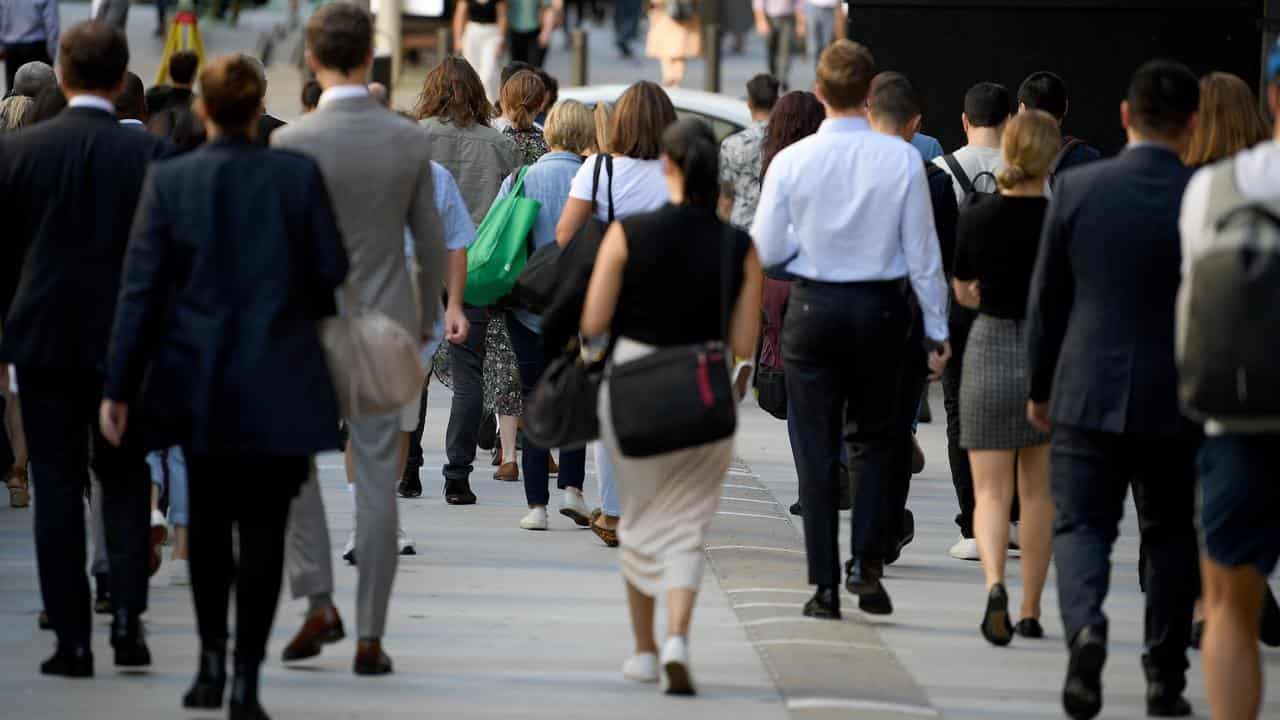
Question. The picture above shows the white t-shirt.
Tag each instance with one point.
(638, 186)
(1258, 177)
(974, 161)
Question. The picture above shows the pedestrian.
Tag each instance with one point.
(375, 167)
(669, 499)
(29, 81)
(971, 169)
(846, 211)
(531, 24)
(552, 96)
(161, 25)
(1048, 92)
(455, 112)
(1100, 338)
(267, 123)
(626, 25)
(28, 33)
(47, 105)
(522, 99)
(602, 115)
(113, 12)
(173, 116)
(276, 278)
(1229, 120)
(309, 97)
(570, 133)
(820, 26)
(996, 246)
(169, 478)
(57, 311)
(778, 22)
(1237, 463)
(480, 31)
(631, 182)
(740, 155)
(675, 38)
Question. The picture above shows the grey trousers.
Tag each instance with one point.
(782, 33)
(376, 444)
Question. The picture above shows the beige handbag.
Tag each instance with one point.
(374, 364)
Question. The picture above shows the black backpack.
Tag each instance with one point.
(967, 186)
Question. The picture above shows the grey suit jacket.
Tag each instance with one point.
(377, 170)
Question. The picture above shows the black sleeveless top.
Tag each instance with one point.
(672, 287)
(482, 11)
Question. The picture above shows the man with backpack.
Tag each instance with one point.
(1046, 91)
(1227, 360)
(973, 167)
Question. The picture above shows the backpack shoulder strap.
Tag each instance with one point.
(1224, 194)
(608, 160)
(957, 172)
(1070, 145)
(595, 182)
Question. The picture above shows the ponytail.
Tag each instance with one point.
(691, 145)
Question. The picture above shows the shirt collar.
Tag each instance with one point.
(92, 101)
(342, 92)
(844, 124)
(561, 155)
(131, 121)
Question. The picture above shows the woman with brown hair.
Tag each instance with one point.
(1230, 120)
(632, 181)
(675, 37)
(523, 96)
(997, 241)
(242, 292)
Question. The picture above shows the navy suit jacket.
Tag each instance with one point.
(68, 190)
(234, 260)
(1100, 323)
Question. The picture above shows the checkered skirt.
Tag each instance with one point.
(994, 385)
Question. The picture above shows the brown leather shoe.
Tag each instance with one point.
(321, 627)
(508, 472)
(370, 659)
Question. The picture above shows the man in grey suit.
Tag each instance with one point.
(377, 169)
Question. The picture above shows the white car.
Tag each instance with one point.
(725, 115)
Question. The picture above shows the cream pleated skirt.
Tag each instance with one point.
(668, 501)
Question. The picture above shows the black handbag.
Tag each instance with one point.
(537, 283)
(573, 268)
(676, 397)
(561, 411)
(771, 391)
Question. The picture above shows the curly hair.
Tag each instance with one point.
(796, 116)
(452, 92)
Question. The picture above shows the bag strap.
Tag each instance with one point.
(1067, 147)
(608, 160)
(957, 172)
(517, 189)
(595, 183)
(973, 186)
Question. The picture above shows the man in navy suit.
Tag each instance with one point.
(1101, 346)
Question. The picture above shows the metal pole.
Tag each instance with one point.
(444, 36)
(578, 58)
(387, 37)
(711, 51)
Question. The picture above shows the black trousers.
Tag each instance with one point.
(414, 462)
(959, 320)
(525, 48)
(1089, 472)
(843, 348)
(60, 412)
(253, 493)
(467, 371)
(15, 56)
(915, 370)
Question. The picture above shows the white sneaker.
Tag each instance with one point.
(349, 550)
(676, 678)
(159, 527)
(179, 572)
(642, 668)
(405, 544)
(965, 549)
(574, 507)
(535, 520)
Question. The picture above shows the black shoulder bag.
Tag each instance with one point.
(677, 397)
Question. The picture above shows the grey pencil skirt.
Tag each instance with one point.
(994, 386)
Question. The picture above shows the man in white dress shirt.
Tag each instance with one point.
(863, 238)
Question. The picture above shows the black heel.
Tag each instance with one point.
(996, 627)
(244, 703)
(211, 680)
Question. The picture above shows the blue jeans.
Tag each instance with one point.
(534, 460)
(626, 20)
(820, 28)
(169, 468)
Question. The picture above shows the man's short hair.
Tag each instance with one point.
(895, 100)
(311, 94)
(132, 101)
(553, 89)
(987, 104)
(182, 67)
(1163, 96)
(33, 77)
(762, 92)
(340, 36)
(94, 56)
(845, 70)
(1044, 91)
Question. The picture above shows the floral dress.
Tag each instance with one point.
(530, 143)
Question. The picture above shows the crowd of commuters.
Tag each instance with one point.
(175, 361)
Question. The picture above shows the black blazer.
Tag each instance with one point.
(1100, 323)
(68, 190)
(234, 260)
(267, 124)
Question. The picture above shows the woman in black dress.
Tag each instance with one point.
(996, 243)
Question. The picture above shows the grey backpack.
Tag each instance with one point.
(1229, 312)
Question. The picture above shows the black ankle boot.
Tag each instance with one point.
(126, 640)
(211, 680)
(244, 703)
(1164, 691)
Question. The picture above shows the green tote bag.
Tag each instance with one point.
(501, 250)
